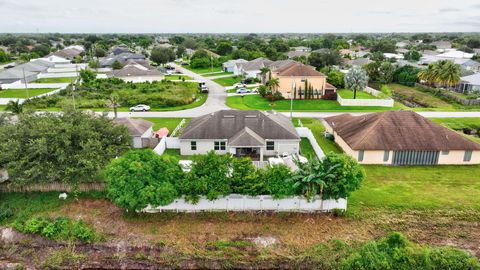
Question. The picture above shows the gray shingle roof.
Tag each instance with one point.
(136, 127)
(232, 124)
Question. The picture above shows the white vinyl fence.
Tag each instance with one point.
(386, 102)
(57, 75)
(161, 146)
(304, 132)
(243, 203)
(173, 142)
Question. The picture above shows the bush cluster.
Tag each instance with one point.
(141, 178)
(60, 228)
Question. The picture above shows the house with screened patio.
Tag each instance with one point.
(400, 138)
(253, 134)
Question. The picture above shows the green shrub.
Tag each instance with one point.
(5, 212)
(276, 181)
(61, 228)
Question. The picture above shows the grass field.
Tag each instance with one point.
(216, 74)
(317, 129)
(458, 124)
(22, 93)
(203, 70)
(55, 80)
(306, 149)
(228, 81)
(348, 94)
(170, 123)
(256, 102)
(177, 77)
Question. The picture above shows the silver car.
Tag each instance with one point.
(140, 108)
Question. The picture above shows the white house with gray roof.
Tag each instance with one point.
(251, 69)
(253, 134)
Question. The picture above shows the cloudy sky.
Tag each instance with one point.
(245, 16)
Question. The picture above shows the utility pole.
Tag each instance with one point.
(291, 98)
(25, 82)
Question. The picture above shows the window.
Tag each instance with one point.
(220, 146)
(386, 155)
(445, 152)
(193, 146)
(468, 156)
(360, 155)
(270, 146)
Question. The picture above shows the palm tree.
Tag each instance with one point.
(15, 107)
(356, 79)
(113, 103)
(263, 72)
(428, 75)
(311, 178)
(273, 84)
(448, 73)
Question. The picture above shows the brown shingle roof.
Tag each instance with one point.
(397, 130)
(136, 127)
(297, 69)
(226, 124)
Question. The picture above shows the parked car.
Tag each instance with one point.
(239, 85)
(140, 108)
(204, 89)
(243, 91)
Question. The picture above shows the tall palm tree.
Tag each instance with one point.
(264, 71)
(273, 84)
(14, 106)
(428, 75)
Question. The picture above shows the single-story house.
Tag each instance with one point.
(56, 59)
(118, 49)
(122, 58)
(465, 64)
(442, 45)
(68, 53)
(469, 84)
(456, 54)
(293, 54)
(358, 62)
(400, 138)
(403, 44)
(17, 74)
(137, 71)
(230, 64)
(293, 77)
(253, 134)
(139, 129)
(251, 69)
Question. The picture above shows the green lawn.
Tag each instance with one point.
(256, 102)
(421, 187)
(458, 124)
(306, 149)
(317, 129)
(203, 70)
(348, 94)
(228, 81)
(55, 80)
(170, 123)
(177, 77)
(217, 74)
(22, 93)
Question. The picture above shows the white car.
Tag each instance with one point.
(243, 91)
(140, 108)
(239, 85)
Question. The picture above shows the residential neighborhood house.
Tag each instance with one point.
(400, 138)
(253, 134)
(469, 84)
(137, 71)
(230, 64)
(140, 130)
(122, 58)
(251, 69)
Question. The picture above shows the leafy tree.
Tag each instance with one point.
(412, 55)
(3, 56)
(473, 43)
(386, 71)
(347, 176)
(87, 75)
(322, 59)
(244, 178)
(117, 65)
(181, 50)
(161, 55)
(94, 63)
(224, 48)
(311, 178)
(141, 178)
(406, 75)
(277, 181)
(70, 147)
(356, 79)
(14, 106)
(384, 45)
(99, 52)
(443, 72)
(114, 103)
(208, 177)
(41, 50)
(334, 77)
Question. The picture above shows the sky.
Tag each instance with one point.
(239, 16)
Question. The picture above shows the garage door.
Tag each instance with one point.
(415, 157)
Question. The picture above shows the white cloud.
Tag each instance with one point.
(230, 16)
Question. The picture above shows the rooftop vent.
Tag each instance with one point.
(229, 116)
(250, 116)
